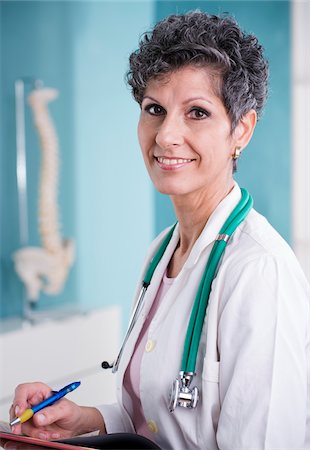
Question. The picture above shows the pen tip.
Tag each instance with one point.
(15, 421)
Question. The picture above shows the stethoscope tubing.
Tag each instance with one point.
(132, 322)
(145, 284)
(198, 314)
(157, 257)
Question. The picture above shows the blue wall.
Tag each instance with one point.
(264, 168)
(28, 50)
(107, 203)
(82, 49)
(113, 193)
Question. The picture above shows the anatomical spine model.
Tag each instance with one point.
(46, 268)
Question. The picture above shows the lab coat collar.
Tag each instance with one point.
(213, 225)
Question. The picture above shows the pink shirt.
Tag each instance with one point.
(132, 374)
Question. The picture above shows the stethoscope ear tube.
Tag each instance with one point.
(132, 322)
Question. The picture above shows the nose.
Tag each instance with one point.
(171, 132)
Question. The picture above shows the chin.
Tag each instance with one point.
(170, 190)
(174, 185)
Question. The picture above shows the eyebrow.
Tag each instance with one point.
(198, 98)
(186, 101)
(150, 98)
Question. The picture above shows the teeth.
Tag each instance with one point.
(170, 162)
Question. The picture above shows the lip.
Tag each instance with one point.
(172, 163)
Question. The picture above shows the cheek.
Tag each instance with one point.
(146, 136)
(143, 135)
(143, 141)
(140, 131)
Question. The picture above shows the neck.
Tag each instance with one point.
(193, 212)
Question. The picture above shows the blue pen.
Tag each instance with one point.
(49, 401)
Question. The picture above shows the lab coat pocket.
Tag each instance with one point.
(211, 371)
(210, 404)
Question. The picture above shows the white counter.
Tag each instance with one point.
(59, 352)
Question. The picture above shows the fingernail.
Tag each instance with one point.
(16, 410)
(41, 418)
(42, 436)
(55, 435)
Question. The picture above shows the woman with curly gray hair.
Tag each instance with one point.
(217, 355)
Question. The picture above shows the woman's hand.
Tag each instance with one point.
(58, 421)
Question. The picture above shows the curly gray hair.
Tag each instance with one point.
(210, 41)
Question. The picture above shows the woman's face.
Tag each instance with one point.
(185, 134)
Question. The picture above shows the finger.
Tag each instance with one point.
(54, 422)
(45, 424)
(13, 412)
(60, 412)
(48, 433)
(27, 395)
(16, 429)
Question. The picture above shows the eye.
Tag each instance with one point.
(199, 113)
(154, 109)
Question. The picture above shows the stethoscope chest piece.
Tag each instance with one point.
(182, 394)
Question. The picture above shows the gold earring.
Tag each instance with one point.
(237, 153)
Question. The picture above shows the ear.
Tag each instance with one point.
(244, 130)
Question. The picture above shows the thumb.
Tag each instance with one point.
(49, 415)
(41, 420)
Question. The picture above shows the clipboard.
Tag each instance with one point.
(119, 441)
(38, 442)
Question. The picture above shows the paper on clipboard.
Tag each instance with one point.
(37, 443)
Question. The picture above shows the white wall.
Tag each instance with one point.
(301, 132)
(60, 352)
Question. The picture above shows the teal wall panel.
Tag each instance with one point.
(35, 43)
(265, 167)
(115, 203)
(107, 202)
(81, 48)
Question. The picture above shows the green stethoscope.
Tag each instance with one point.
(181, 393)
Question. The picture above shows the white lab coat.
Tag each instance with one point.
(253, 366)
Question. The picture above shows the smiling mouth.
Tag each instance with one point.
(172, 161)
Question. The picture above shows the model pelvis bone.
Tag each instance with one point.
(43, 271)
(46, 268)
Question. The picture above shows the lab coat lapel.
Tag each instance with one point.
(213, 225)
